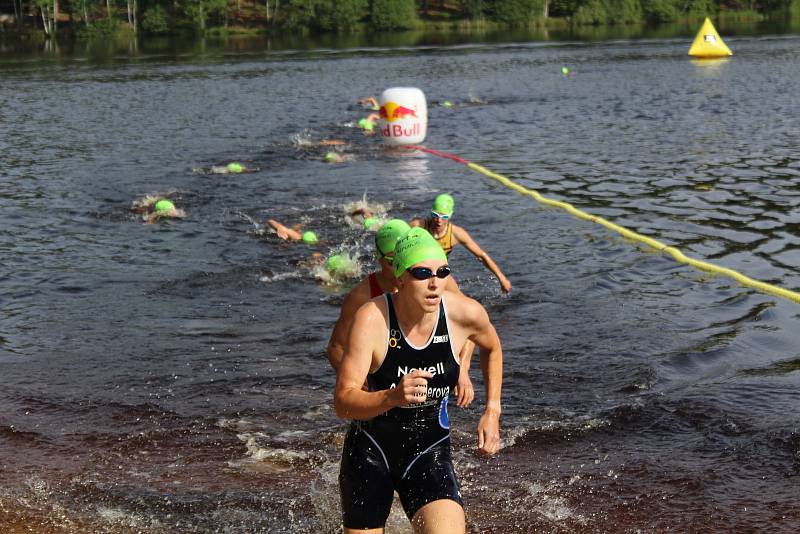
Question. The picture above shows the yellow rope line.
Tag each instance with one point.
(657, 245)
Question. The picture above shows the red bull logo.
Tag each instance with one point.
(397, 130)
(391, 111)
(408, 121)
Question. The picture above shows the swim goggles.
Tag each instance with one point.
(423, 273)
(441, 216)
(389, 259)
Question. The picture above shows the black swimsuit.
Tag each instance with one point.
(406, 448)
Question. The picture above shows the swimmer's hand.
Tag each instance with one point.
(489, 432)
(412, 389)
(505, 285)
(464, 390)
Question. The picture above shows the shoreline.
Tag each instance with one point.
(71, 30)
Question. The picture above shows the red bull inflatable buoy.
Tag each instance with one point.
(403, 116)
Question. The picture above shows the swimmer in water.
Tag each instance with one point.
(154, 208)
(293, 234)
(370, 103)
(404, 346)
(305, 141)
(449, 235)
(384, 281)
(233, 167)
(335, 157)
(368, 219)
(367, 124)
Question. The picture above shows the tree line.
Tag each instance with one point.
(170, 16)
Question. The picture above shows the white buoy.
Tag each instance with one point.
(404, 116)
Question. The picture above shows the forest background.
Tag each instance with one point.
(113, 18)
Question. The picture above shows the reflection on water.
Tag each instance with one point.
(228, 47)
(172, 377)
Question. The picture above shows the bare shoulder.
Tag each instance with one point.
(464, 309)
(357, 296)
(459, 232)
(416, 221)
(372, 312)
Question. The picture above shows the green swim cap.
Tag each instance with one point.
(333, 157)
(447, 104)
(310, 237)
(337, 263)
(163, 206)
(366, 124)
(444, 204)
(416, 246)
(235, 167)
(389, 234)
(370, 222)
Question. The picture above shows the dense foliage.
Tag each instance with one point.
(92, 17)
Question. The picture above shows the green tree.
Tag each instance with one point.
(344, 14)
(596, 12)
(701, 8)
(515, 11)
(199, 11)
(592, 12)
(302, 14)
(659, 10)
(155, 20)
(48, 9)
(625, 11)
(393, 14)
(473, 9)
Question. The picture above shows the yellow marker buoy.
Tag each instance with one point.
(708, 43)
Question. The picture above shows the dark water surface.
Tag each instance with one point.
(172, 377)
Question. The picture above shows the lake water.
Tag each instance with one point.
(172, 377)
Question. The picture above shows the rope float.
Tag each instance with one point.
(653, 243)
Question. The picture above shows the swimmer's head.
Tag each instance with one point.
(443, 205)
(163, 206)
(235, 168)
(447, 104)
(333, 157)
(366, 124)
(370, 223)
(338, 264)
(415, 247)
(387, 236)
(310, 237)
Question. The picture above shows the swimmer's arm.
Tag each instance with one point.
(485, 336)
(364, 212)
(350, 306)
(462, 236)
(349, 400)
(284, 232)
